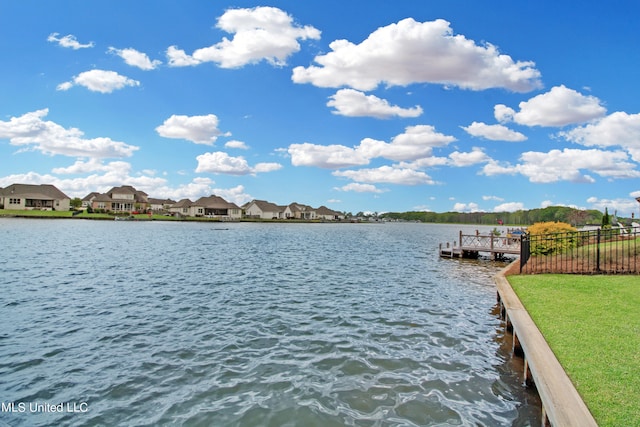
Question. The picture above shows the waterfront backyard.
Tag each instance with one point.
(592, 325)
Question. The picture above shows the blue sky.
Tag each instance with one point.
(359, 106)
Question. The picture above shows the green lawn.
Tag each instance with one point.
(592, 324)
(34, 213)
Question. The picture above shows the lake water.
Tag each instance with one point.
(244, 324)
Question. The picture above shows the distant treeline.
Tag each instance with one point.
(522, 217)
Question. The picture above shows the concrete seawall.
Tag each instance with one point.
(561, 404)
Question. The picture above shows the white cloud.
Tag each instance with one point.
(466, 207)
(179, 58)
(387, 174)
(414, 52)
(496, 198)
(235, 195)
(236, 144)
(475, 156)
(624, 207)
(266, 167)
(198, 129)
(325, 156)
(617, 129)
(422, 134)
(360, 188)
(135, 58)
(353, 103)
(99, 81)
(415, 143)
(568, 165)
(493, 132)
(221, 163)
(509, 207)
(92, 165)
(69, 41)
(560, 106)
(64, 86)
(503, 114)
(426, 162)
(547, 203)
(261, 33)
(30, 130)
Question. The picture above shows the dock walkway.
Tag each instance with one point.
(471, 245)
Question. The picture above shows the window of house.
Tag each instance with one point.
(14, 201)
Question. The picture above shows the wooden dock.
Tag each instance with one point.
(471, 245)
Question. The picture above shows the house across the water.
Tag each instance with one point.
(34, 197)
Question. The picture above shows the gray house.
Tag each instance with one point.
(34, 197)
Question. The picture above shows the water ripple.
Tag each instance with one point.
(270, 325)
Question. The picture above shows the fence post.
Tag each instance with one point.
(525, 251)
(598, 251)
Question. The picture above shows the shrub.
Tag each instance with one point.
(550, 227)
(552, 237)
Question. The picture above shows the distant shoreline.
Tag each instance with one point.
(146, 218)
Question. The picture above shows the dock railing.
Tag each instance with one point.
(493, 243)
(601, 251)
(470, 245)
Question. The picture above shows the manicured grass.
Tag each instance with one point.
(592, 324)
(34, 213)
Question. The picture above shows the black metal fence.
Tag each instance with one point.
(603, 251)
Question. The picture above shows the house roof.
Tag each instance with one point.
(138, 195)
(215, 202)
(102, 198)
(265, 206)
(123, 189)
(161, 201)
(34, 191)
(90, 196)
(298, 207)
(323, 210)
(184, 203)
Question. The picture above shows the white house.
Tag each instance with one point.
(186, 207)
(30, 197)
(158, 205)
(263, 210)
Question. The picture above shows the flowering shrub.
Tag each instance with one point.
(552, 237)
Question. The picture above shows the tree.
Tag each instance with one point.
(578, 217)
(75, 203)
(606, 220)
